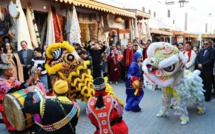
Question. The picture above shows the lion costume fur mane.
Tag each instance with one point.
(63, 62)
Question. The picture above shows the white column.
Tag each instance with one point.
(170, 39)
(136, 34)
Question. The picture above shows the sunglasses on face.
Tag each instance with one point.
(205, 44)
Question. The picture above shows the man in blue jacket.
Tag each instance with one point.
(205, 62)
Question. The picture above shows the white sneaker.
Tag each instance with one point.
(184, 121)
(200, 111)
(161, 115)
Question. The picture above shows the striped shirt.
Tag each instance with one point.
(39, 63)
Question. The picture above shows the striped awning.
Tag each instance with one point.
(188, 35)
(178, 32)
(98, 6)
(209, 36)
(139, 13)
(161, 32)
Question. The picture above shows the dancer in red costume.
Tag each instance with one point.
(105, 112)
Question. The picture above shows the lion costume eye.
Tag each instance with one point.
(70, 57)
(57, 53)
(170, 68)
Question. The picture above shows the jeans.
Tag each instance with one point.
(44, 80)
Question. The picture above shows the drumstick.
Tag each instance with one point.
(50, 97)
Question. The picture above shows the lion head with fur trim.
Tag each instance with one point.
(63, 62)
(163, 64)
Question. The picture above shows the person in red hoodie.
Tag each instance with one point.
(105, 112)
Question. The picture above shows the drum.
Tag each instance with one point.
(13, 107)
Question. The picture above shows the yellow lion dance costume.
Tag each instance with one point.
(63, 62)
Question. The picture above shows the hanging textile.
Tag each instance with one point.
(68, 25)
(105, 22)
(22, 28)
(50, 35)
(148, 31)
(43, 31)
(57, 27)
(75, 32)
(86, 17)
(32, 26)
(93, 31)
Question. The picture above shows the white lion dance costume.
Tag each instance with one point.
(164, 67)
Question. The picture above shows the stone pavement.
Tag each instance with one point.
(145, 122)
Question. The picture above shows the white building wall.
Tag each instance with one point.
(198, 16)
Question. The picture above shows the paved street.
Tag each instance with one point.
(145, 122)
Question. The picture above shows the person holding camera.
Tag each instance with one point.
(96, 51)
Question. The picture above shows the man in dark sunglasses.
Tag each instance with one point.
(205, 62)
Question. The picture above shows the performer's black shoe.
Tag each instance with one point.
(158, 88)
(12, 131)
(207, 100)
(136, 110)
(1, 121)
(16, 132)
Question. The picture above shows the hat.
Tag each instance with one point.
(99, 83)
(5, 66)
(38, 50)
(83, 52)
(149, 40)
(61, 87)
(6, 39)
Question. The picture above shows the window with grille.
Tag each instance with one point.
(168, 13)
(143, 8)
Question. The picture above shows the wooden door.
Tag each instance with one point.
(124, 36)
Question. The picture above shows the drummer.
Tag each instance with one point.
(57, 116)
(8, 84)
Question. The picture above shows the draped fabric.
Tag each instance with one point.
(50, 35)
(43, 32)
(87, 17)
(57, 26)
(105, 22)
(68, 25)
(85, 32)
(93, 31)
(22, 28)
(34, 33)
(75, 32)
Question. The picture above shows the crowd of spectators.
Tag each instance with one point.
(112, 60)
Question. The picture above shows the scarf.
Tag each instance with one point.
(115, 59)
(145, 54)
(189, 54)
(129, 57)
